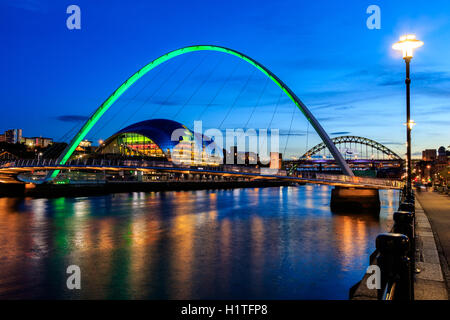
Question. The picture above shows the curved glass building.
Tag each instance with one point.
(155, 138)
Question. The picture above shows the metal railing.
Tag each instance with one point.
(104, 164)
(397, 253)
(361, 180)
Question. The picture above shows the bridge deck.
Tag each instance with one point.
(11, 170)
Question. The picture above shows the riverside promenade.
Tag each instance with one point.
(436, 208)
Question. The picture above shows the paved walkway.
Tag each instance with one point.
(437, 209)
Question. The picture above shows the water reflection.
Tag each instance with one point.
(272, 243)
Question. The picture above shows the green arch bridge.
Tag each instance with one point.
(81, 134)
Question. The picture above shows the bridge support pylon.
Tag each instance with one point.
(344, 199)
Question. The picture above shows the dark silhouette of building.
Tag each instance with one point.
(429, 155)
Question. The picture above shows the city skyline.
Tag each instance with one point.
(347, 75)
(196, 154)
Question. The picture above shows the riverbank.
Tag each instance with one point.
(428, 282)
(432, 251)
(89, 189)
(437, 211)
(244, 243)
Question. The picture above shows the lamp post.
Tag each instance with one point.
(407, 44)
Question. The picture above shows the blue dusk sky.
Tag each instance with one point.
(52, 78)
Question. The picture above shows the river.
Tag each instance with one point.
(255, 243)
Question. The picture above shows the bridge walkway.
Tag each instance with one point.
(437, 209)
(11, 169)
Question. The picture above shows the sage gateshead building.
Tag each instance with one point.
(160, 139)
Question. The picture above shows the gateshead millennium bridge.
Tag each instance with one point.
(57, 170)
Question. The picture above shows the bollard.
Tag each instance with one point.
(407, 206)
(410, 198)
(404, 223)
(394, 264)
(404, 190)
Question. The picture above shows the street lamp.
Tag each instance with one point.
(407, 44)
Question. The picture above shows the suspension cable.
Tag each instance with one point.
(219, 90)
(154, 92)
(66, 135)
(237, 98)
(129, 101)
(177, 87)
(257, 102)
(199, 87)
(289, 134)
(307, 137)
(275, 111)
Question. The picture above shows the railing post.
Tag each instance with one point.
(404, 223)
(407, 206)
(394, 264)
(410, 198)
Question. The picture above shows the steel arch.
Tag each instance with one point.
(353, 139)
(65, 155)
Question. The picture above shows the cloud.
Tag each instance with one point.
(340, 133)
(341, 99)
(167, 102)
(298, 133)
(430, 82)
(72, 118)
(419, 77)
(436, 122)
(358, 73)
(393, 143)
(30, 5)
(434, 91)
(336, 106)
(325, 119)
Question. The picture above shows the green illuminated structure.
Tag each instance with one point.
(65, 155)
(131, 144)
